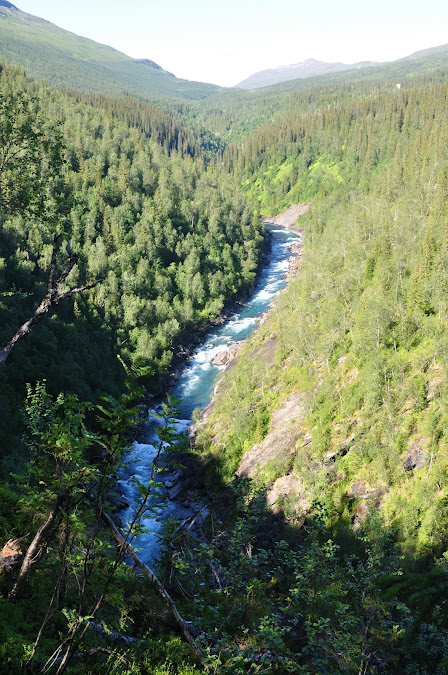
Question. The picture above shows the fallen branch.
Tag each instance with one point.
(126, 548)
(216, 575)
(110, 634)
(192, 519)
(52, 298)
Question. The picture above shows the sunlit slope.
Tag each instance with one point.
(48, 52)
(357, 344)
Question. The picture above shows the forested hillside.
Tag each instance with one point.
(170, 240)
(359, 347)
(64, 59)
(330, 554)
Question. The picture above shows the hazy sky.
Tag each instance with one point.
(226, 41)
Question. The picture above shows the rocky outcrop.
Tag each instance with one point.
(10, 554)
(361, 490)
(285, 429)
(288, 487)
(225, 357)
(116, 498)
(415, 457)
(295, 260)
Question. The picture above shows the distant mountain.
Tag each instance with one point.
(48, 52)
(295, 71)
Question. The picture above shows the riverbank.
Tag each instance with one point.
(182, 494)
(184, 350)
(288, 219)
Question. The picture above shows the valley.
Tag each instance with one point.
(307, 521)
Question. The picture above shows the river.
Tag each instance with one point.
(196, 384)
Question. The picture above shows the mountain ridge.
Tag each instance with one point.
(303, 69)
(312, 68)
(62, 58)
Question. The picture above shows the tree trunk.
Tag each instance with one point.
(34, 548)
(126, 548)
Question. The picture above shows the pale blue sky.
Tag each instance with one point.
(225, 41)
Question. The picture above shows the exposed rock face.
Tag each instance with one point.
(294, 262)
(415, 457)
(361, 490)
(288, 486)
(10, 554)
(226, 356)
(284, 432)
(360, 515)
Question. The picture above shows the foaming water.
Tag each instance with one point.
(139, 462)
(196, 384)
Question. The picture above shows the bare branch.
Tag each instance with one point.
(69, 265)
(53, 262)
(53, 297)
(74, 291)
(99, 650)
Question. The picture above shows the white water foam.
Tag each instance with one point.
(287, 232)
(236, 326)
(196, 385)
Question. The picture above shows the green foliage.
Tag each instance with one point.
(31, 156)
(77, 575)
(171, 239)
(360, 344)
(367, 316)
(270, 604)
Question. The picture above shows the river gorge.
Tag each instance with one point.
(195, 388)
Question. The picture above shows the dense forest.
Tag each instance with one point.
(144, 219)
(170, 239)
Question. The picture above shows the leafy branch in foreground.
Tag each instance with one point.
(30, 155)
(76, 569)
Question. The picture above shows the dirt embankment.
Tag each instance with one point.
(288, 219)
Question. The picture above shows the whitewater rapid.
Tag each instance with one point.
(195, 389)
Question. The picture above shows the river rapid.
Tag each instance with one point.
(195, 389)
